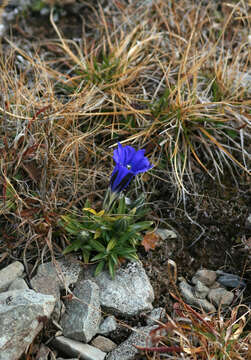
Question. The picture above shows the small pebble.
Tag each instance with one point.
(206, 277)
(221, 296)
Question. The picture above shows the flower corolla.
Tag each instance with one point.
(128, 163)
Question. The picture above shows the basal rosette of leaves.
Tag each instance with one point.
(113, 234)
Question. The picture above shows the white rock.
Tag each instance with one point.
(166, 234)
(18, 284)
(129, 293)
(9, 274)
(75, 348)
(21, 318)
(108, 325)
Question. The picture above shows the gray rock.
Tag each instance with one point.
(103, 344)
(187, 292)
(9, 274)
(14, 8)
(206, 277)
(248, 219)
(221, 297)
(75, 348)
(232, 281)
(166, 234)
(82, 317)
(127, 350)
(157, 314)
(46, 282)
(60, 277)
(18, 284)
(20, 314)
(108, 325)
(201, 290)
(129, 293)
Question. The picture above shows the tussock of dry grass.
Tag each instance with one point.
(165, 75)
(194, 336)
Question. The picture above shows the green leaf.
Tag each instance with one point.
(76, 245)
(111, 244)
(99, 257)
(143, 225)
(122, 205)
(114, 258)
(99, 268)
(126, 236)
(111, 267)
(132, 257)
(86, 255)
(124, 251)
(97, 245)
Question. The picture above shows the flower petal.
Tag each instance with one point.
(120, 178)
(129, 163)
(119, 154)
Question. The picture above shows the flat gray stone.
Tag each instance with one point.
(127, 350)
(187, 292)
(22, 313)
(230, 280)
(82, 317)
(128, 294)
(51, 278)
(104, 344)
(9, 274)
(75, 348)
(206, 277)
(166, 234)
(157, 314)
(46, 284)
(221, 297)
(18, 284)
(108, 325)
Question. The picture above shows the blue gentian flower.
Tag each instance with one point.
(129, 163)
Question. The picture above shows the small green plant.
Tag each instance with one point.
(104, 238)
(113, 234)
(105, 70)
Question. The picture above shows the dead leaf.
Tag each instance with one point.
(150, 241)
(32, 170)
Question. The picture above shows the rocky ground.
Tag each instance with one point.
(60, 311)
